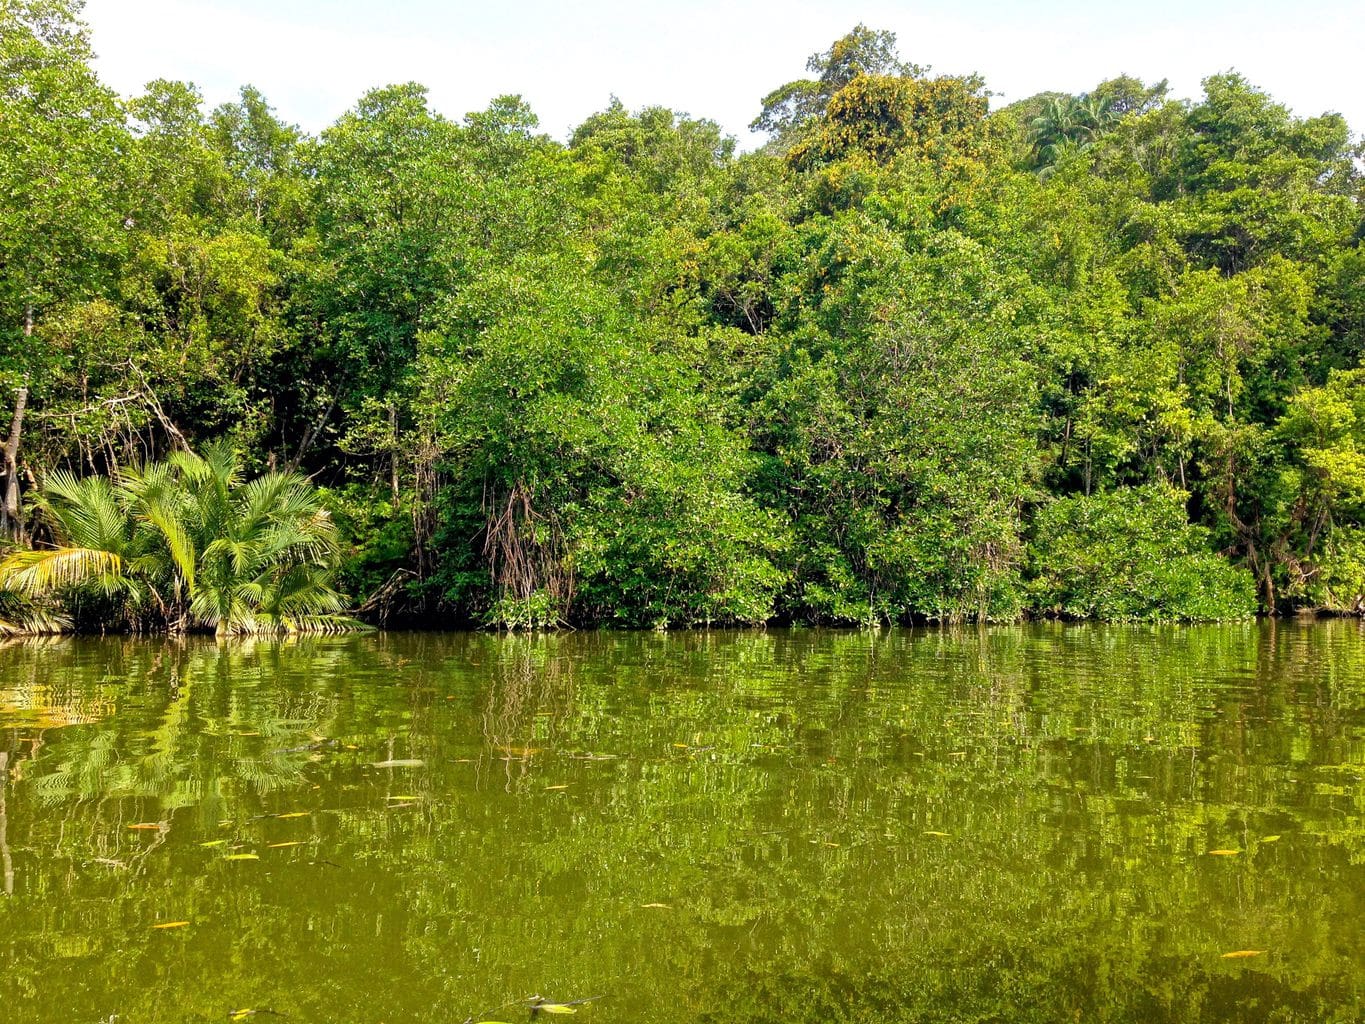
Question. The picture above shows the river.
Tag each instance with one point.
(1038, 823)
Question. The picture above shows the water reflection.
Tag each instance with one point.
(997, 824)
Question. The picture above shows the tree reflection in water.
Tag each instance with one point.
(993, 824)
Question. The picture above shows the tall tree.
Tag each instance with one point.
(863, 51)
(63, 146)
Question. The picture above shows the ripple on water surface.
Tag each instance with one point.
(1004, 824)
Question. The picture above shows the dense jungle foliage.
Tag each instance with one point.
(911, 360)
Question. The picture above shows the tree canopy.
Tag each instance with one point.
(910, 360)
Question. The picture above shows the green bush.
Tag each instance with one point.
(1131, 554)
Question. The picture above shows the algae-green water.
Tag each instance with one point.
(1039, 823)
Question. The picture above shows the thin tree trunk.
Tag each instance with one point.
(393, 452)
(11, 523)
(312, 433)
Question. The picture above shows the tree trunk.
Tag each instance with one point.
(11, 522)
(393, 451)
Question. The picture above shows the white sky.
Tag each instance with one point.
(712, 58)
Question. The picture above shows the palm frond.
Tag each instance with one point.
(161, 515)
(23, 619)
(34, 573)
(189, 534)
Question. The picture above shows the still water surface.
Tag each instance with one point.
(1015, 824)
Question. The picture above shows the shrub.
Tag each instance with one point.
(1131, 554)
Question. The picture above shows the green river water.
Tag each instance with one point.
(1007, 824)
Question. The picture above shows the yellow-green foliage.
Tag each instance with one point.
(910, 360)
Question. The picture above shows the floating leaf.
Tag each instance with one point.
(292, 842)
(243, 856)
(404, 797)
(215, 842)
(941, 835)
(147, 826)
(170, 924)
(1270, 839)
(1224, 853)
(550, 789)
(294, 814)
(402, 762)
(1241, 954)
(555, 1008)
(660, 906)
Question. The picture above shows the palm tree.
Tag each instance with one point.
(98, 543)
(190, 544)
(1053, 124)
(1068, 124)
(266, 550)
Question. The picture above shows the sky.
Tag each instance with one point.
(710, 58)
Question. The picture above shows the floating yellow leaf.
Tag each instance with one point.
(555, 1008)
(942, 835)
(404, 797)
(215, 842)
(170, 924)
(147, 826)
(243, 856)
(1224, 853)
(293, 814)
(1241, 954)
(399, 762)
(1270, 839)
(652, 906)
(292, 842)
(550, 789)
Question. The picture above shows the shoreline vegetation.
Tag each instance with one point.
(913, 360)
